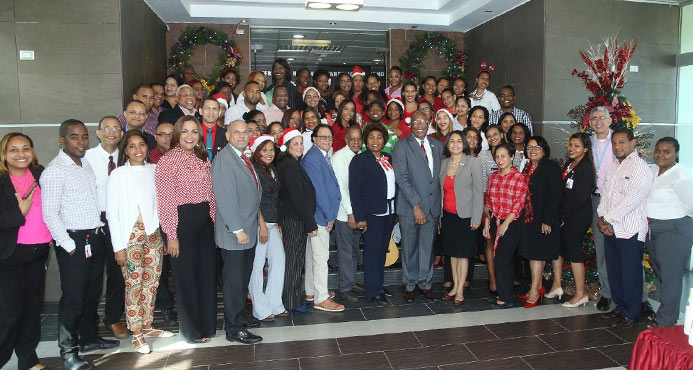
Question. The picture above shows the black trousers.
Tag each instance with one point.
(238, 265)
(22, 280)
(164, 297)
(81, 279)
(115, 283)
(195, 271)
(376, 240)
(295, 239)
(504, 258)
(624, 264)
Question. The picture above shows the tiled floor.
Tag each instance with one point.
(573, 342)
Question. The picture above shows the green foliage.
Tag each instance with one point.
(411, 61)
(193, 37)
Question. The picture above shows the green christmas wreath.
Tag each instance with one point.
(193, 37)
(411, 64)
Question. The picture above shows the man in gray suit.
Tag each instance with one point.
(237, 196)
(417, 161)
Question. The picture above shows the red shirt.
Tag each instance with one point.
(437, 103)
(204, 132)
(155, 155)
(181, 179)
(449, 200)
(506, 194)
(403, 126)
(339, 134)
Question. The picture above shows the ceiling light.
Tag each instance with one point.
(298, 36)
(318, 5)
(349, 5)
(377, 60)
(333, 23)
(292, 50)
(244, 21)
(290, 59)
(488, 11)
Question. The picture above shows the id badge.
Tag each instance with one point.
(87, 250)
(569, 184)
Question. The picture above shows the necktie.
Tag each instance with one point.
(250, 168)
(423, 149)
(208, 144)
(111, 165)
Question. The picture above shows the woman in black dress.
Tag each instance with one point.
(296, 216)
(540, 240)
(576, 216)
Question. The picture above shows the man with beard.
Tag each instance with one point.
(251, 94)
(280, 104)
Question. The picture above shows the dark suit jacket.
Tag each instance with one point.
(172, 115)
(219, 140)
(325, 184)
(415, 184)
(297, 195)
(367, 186)
(546, 195)
(11, 217)
(578, 200)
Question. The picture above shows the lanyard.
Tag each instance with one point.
(599, 158)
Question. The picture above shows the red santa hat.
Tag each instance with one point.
(288, 134)
(257, 140)
(447, 111)
(310, 88)
(221, 99)
(396, 100)
(357, 71)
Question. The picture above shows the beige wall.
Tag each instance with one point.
(398, 44)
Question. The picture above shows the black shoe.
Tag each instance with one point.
(349, 295)
(170, 316)
(72, 361)
(358, 289)
(603, 304)
(623, 322)
(647, 311)
(614, 314)
(243, 336)
(380, 299)
(409, 296)
(250, 323)
(99, 344)
(387, 292)
(497, 306)
(198, 340)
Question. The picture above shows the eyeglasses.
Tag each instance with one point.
(164, 134)
(425, 109)
(419, 122)
(600, 118)
(355, 138)
(111, 129)
(325, 138)
(534, 147)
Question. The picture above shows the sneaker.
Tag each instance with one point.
(329, 305)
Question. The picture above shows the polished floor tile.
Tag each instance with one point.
(580, 339)
(502, 348)
(291, 364)
(569, 360)
(629, 334)
(619, 352)
(525, 328)
(390, 312)
(213, 355)
(581, 322)
(454, 335)
(375, 360)
(502, 364)
(429, 356)
(381, 342)
(308, 348)
(322, 317)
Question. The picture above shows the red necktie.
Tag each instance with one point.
(250, 168)
(423, 149)
(111, 165)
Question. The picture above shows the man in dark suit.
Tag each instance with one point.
(185, 96)
(214, 136)
(316, 163)
(135, 118)
(237, 195)
(417, 165)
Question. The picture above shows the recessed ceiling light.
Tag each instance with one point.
(319, 5)
(290, 59)
(319, 59)
(347, 7)
(377, 60)
(298, 36)
(333, 23)
(244, 21)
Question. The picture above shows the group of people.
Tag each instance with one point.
(223, 188)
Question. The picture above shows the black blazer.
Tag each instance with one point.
(367, 186)
(269, 201)
(296, 194)
(172, 115)
(578, 200)
(546, 195)
(11, 217)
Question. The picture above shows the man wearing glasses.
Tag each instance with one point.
(316, 163)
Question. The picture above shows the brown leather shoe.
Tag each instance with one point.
(428, 294)
(119, 330)
(409, 296)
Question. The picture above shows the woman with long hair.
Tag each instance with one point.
(312, 99)
(395, 118)
(478, 118)
(462, 107)
(518, 135)
(506, 121)
(429, 93)
(443, 125)
(171, 85)
(291, 118)
(281, 76)
(310, 118)
(481, 95)
(410, 97)
(186, 209)
(344, 84)
(346, 117)
(134, 229)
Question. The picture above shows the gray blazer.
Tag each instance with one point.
(237, 200)
(415, 185)
(469, 191)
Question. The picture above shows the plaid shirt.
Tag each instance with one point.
(520, 117)
(506, 194)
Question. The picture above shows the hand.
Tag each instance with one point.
(264, 234)
(545, 229)
(363, 225)
(73, 252)
(313, 233)
(242, 237)
(419, 216)
(608, 229)
(351, 221)
(502, 229)
(25, 204)
(174, 248)
(473, 226)
(487, 229)
(120, 257)
(330, 225)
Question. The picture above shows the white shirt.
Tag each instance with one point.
(69, 199)
(625, 191)
(456, 125)
(340, 165)
(307, 140)
(603, 156)
(488, 101)
(671, 196)
(97, 157)
(235, 113)
(429, 153)
(261, 107)
(131, 192)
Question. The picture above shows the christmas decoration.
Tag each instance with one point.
(193, 37)
(411, 61)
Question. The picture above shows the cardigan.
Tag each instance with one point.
(11, 217)
(269, 201)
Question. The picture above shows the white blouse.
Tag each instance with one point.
(671, 196)
(131, 191)
(488, 101)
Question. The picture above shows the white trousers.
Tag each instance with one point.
(269, 301)
(317, 254)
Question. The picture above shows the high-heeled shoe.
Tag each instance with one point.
(448, 297)
(542, 290)
(582, 302)
(556, 292)
(457, 302)
(529, 304)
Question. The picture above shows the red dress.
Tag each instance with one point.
(339, 134)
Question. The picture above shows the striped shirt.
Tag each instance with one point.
(520, 117)
(626, 186)
(181, 179)
(149, 125)
(70, 199)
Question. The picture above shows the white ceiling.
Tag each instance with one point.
(439, 15)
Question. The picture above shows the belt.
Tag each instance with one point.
(86, 231)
